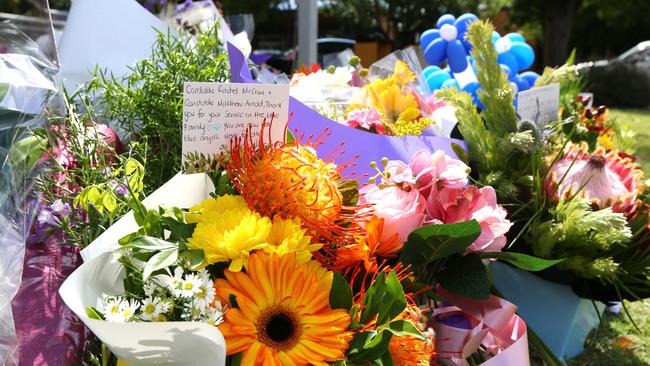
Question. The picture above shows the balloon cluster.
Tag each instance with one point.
(447, 43)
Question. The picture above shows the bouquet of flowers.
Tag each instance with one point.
(575, 196)
(287, 253)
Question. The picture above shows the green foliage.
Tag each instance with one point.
(465, 275)
(523, 261)
(588, 238)
(99, 184)
(503, 153)
(340, 293)
(148, 103)
(496, 93)
(431, 244)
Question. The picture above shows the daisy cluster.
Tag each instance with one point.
(178, 295)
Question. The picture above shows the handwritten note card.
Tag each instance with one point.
(540, 105)
(213, 113)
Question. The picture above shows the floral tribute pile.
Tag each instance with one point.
(296, 263)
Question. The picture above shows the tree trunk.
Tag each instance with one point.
(557, 23)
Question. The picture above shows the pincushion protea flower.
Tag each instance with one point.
(288, 180)
(605, 178)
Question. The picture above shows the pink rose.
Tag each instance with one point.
(452, 205)
(438, 168)
(402, 211)
(367, 119)
(399, 172)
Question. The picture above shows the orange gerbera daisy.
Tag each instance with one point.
(282, 313)
(288, 180)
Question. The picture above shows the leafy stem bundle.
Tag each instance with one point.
(148, 103)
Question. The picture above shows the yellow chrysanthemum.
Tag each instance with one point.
(410, 114)
(283, 316)
(402, 74)
(230, 235)
(287, 236)
(392, 102)
(228, 230)
(215, 205)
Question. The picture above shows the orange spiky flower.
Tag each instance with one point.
(409, 350)
(288, 179)
(368, 248)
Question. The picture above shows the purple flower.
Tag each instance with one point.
(60, 208)
(47, 218)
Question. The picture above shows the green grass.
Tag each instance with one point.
(604, 347)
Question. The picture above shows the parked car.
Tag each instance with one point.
(622, 81)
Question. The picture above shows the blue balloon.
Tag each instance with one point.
(522, 84)
(436, 51)
(437, 78)
(445, 19)
(530, 77)
(456, 56)
(524, 54)
(515, 37)
(451, 83)
(472, 88)
(495, 36)
(509, 60)
(428, 36)
(507, 71)
(462, 23)
(429, 70)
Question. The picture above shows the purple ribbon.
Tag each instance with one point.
(367, 146)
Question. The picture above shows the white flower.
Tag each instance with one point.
(191, 285)
(204, 275)
(173, 283)
(128, 309)
(150, 288)
(117, 309)
(205, 296)
(214, 315)
(151, 309)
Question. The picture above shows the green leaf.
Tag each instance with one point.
(385, 360)
(466, 276)
(109, 201)
(290, 137)
(93, 313)
(160, 260)
(369, 345)
(460, 152)
(403, 328)
(340, 293)
(430, 243)
(523, 261)
(372, 298)
(393, 300)
(150, 243)
(195, 258)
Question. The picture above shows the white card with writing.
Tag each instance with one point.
(214, 113)
(540, 105)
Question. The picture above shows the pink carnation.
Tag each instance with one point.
(367, 119)
(452, 205)
(402, 211)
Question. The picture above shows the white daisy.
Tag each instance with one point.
(190, 286)
(173, 283)
(128, 309)
(214, 315)
(205, 296)
(151, 309)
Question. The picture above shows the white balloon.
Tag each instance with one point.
(448, 32)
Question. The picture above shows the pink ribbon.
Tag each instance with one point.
(466, 324)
